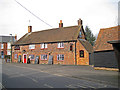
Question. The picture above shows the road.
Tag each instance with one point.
(22, 76)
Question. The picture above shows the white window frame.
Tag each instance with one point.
(43, 45)
(8, 52)
(43, 56)
(32, 46)
(61, 45)
(8, 45)
(2, 46)
(60, 57)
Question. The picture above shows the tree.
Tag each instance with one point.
(89, 35)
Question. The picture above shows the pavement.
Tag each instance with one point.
(78, 72)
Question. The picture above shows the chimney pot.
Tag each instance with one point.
(16, 37)
(80, 22)
(29, 29)
(60, 24)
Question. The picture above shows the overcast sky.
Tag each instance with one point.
(97, 14)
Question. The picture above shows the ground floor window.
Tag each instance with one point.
(60, 57)
(31, 57)
(43, 57)
(15, 56)
(81, 53)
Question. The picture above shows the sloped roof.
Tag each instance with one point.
(7, 38)
(87, 45)
(105, 35)
(50, 35)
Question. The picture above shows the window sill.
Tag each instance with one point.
(44, 60)
(43, 48)
(61, 48)
(60, 60)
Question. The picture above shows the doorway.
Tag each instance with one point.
(50, 60)
(24, 58)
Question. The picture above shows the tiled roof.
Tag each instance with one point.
(7, 38)
(105, 35)
(87, 45)
(51, 35)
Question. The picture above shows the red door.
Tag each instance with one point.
(25, 58)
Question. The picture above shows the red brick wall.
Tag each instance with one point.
(52, 48)
(4, 49)
(81, 60)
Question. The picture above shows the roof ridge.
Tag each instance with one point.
(55, 28)
(109, 27)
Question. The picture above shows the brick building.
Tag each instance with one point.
(5, 45)
(104, 55)
(63, 45)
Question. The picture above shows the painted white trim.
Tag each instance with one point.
(23, 58)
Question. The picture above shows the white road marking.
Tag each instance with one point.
(33, 80)
(57, 75)
(48, 86)
(86, 84)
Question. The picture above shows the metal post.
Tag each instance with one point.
(11, 48)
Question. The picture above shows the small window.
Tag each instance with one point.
(60, 45)
(71, 47)
(8, 52)
(8, 45)
(31, 46)
(43, 57)
(2, 46)
(80, 34)
(81, 53)
(16, 56)
(60, 57)
(43, 45)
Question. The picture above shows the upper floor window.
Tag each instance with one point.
(71, 47)
(8, 45)
(43, 45)
(2, 46)
(31, 46)
(60, 57)
(60, 45)
(80, 34)
(81, 53)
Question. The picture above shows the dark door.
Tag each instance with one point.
(50, 61)
(37, 60)
(19, 58)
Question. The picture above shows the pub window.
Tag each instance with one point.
(60, 57)
(43, 57)
(2, 46)
(81, 53)
(8, 45)
(60, 45)
(31, 57)
(31, 46)
(43, 45)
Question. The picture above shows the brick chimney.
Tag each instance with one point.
(60, 24)
(80, 22)
(16, 37)
(29, 29)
